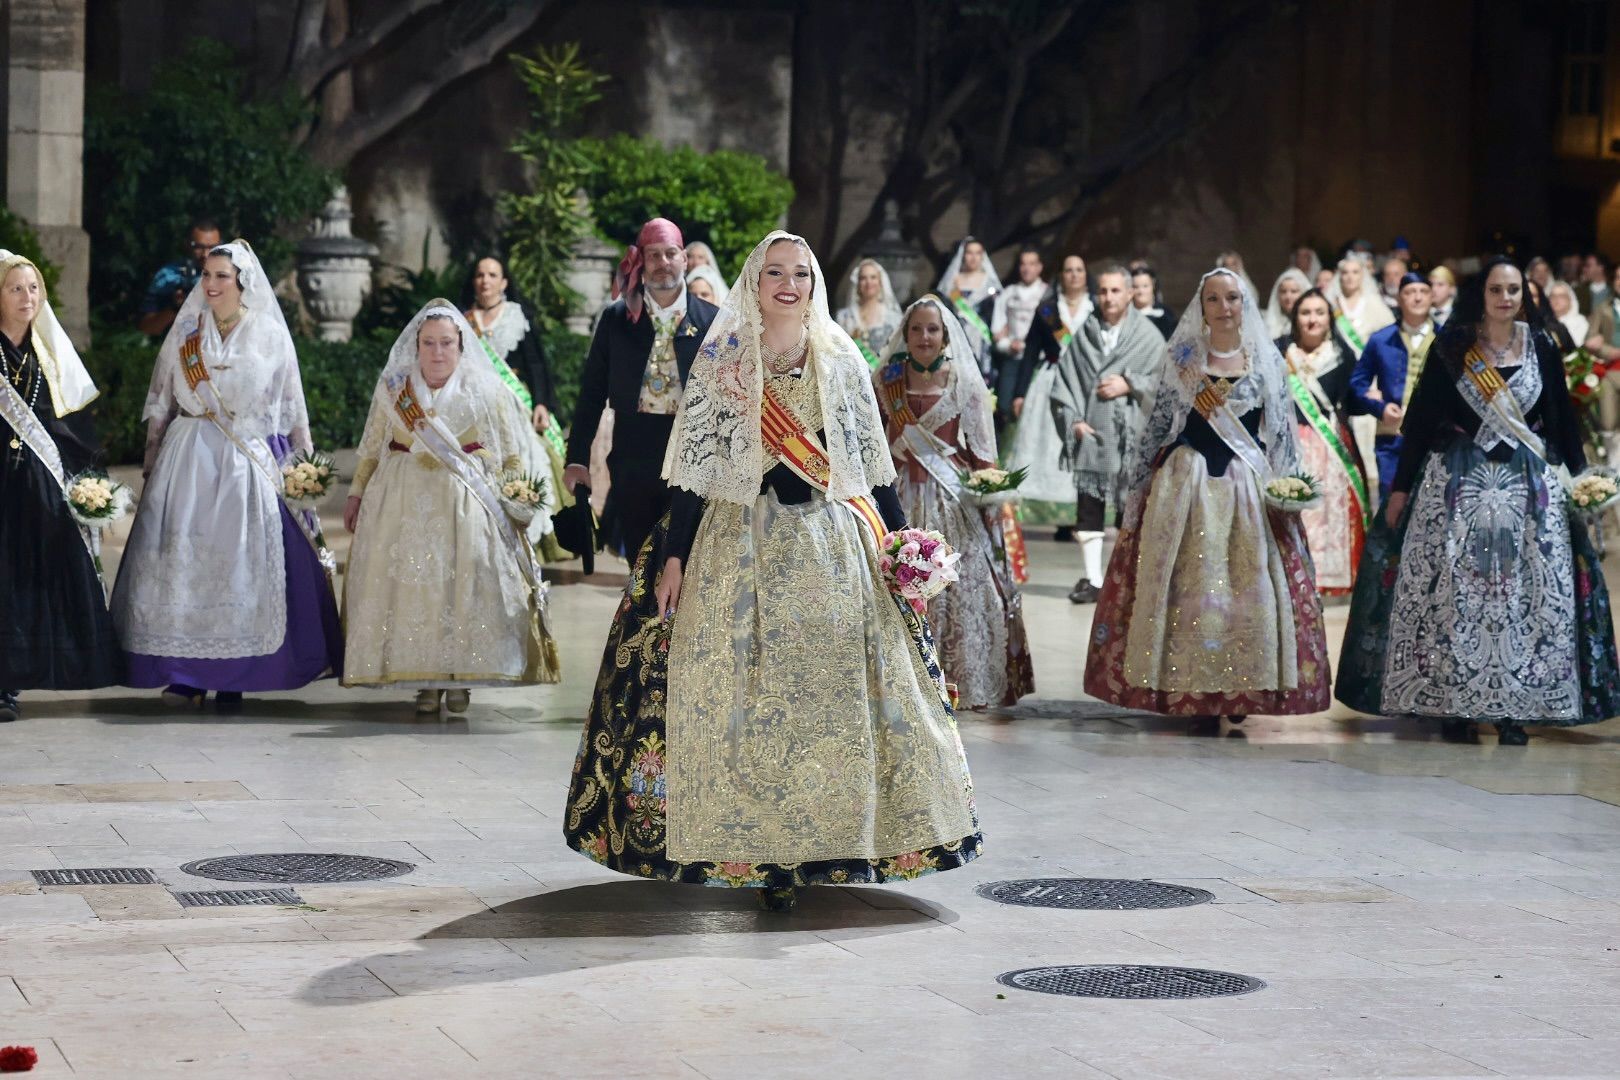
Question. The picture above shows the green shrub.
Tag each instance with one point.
(120, 361)
(389, 308)
(19, 238)
(339, 377)
(729, 199)
(565, 352)
(338, 380)
(193, 145)
(546, 223)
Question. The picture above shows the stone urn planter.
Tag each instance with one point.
(334, 269)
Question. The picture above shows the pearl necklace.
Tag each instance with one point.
(784, 362)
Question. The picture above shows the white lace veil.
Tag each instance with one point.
(1277, 321)
(473, 396)
(966, 397)
(712, 276)
(71, 386)
(1182, 376)
(992, 281)
(852, 289)
(275, 405)
(716, 450)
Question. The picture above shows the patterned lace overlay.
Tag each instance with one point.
(204, 572)
(1483, 622)
(618, 799)
(716, 450)
(802, 724)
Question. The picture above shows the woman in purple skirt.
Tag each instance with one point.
(222, 586)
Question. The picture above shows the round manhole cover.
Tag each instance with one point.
(1093, 894)
(300, 867)
(1130, 981)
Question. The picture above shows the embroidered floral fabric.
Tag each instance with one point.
(618, 799)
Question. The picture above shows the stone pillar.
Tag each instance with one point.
(44, 155)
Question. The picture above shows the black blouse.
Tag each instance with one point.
(1439, 415)
(1203, 438)
(1335, 383)
(74, 434)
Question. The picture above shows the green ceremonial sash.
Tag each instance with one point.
(1348, 329)
(872, 358)
(969, 316)
(508, 376)
(1323, 427)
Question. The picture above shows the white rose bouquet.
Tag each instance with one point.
(1594, 491)
(307, 480)
(1294, 493)
(97, 501)
(523, 496)
(991, 487)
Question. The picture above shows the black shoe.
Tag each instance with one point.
(1511, 735)
(1237, 719)
(1064, 534)
(1084, 592)
(9, 709)
(228, 700)
(1459, 731)
(779, 900)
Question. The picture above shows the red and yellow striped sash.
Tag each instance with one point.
(191, 360)
(785, 436)
(409, 409)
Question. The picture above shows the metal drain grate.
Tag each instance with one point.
(1092, 894)
(237, 897)
(297, 867)
(107, 875)
(1130, 981)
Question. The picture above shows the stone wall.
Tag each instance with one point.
(44, 147)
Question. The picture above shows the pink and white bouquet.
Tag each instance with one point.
(917, 565)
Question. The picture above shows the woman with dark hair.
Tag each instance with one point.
(510, 336)
(1319, 366)
(1480, 595)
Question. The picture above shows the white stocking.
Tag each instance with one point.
(1091, 545)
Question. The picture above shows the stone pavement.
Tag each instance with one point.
(1417, 909)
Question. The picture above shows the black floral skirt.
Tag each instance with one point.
(616, 800)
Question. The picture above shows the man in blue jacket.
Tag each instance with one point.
(1393, 360)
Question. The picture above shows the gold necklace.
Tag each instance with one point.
(781, 363)
(226, 325)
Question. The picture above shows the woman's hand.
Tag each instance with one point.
(351, 512)
(668, 592)
(1393, 507)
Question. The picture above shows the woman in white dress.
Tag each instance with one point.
(443, 590)
(222, 587)
(1290, 285)
(870, 312)
(937, 417)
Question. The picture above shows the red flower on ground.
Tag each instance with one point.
(18, 1058)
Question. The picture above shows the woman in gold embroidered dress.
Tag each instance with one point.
(768, 715)
(939, 425)
(443, 593)
(1209, 607)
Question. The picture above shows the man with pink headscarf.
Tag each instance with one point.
(644, 345)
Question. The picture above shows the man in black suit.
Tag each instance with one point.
(642, 351)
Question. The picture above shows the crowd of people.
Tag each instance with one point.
(768, 713)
